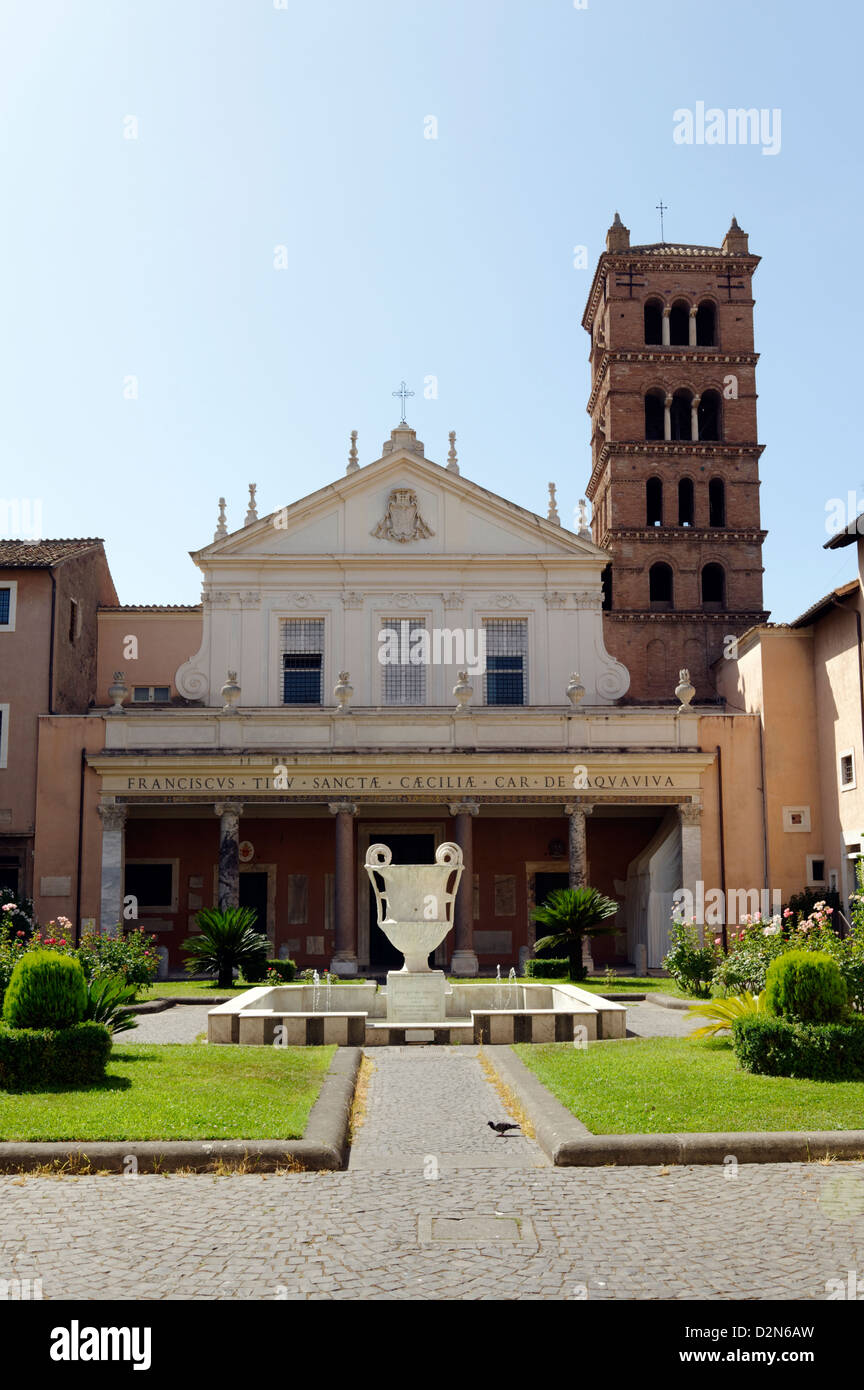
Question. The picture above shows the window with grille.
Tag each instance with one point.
(403, 681)
(5, 597)
(506, 661)
(847, 769)
(302, 661)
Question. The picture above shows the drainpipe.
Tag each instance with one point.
(767, 884)
(838, 604)
(82, 769)
(722, 842)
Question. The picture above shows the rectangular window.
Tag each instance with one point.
(74, 619)
(403, 656)
(302, 661)
(815, 871)
(151, 694)
(506, 660)
(8, 602)
(847, 769)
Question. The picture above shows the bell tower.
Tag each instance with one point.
(674, 455)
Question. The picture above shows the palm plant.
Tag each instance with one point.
(723, 1012)
(573, 913)
(227, 941)
(108, 1000)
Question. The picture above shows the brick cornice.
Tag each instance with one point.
(666, 356)
(750, 616)
(674, 535)
(657, 449)
(619, 262)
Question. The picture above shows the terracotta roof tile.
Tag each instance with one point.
(42, 554)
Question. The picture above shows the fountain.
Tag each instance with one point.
(415, 905)
(415, 913)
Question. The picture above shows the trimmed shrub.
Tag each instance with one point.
(771, 1046)
(806, 985)
(547, 969)
(47, 990)
(41, 1059)
(283, 970)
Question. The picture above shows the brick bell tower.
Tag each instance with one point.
(674, 452)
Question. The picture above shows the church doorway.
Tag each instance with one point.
(253, 893)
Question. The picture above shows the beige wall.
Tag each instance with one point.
(61, 739)
(165, 641)
(838, 704)
(24, 663)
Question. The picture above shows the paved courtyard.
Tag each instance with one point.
(434, 1206)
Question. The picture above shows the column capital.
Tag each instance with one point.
(667, 310)
(464, 808)
(113, 816)
(690, 812)
(586, 807)
(694, 309)
(338, 808)
(228, 808)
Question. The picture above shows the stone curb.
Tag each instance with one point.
(569, 1143)
(324, 1145)
(671, 1001)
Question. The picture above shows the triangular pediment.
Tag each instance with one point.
(401, 505)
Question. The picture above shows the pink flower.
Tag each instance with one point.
(787, 912)
(718, 941)
(8, 907)
(20, 933)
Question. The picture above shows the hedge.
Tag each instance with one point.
(47, 990)
(547, 969)
(771, 1046)
(41, 1059)
(285, 969)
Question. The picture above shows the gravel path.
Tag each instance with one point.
(180, 1024)
(647, 1020)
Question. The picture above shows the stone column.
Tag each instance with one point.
(667, 418)
(666, 335)
(113, 858)
(692, 326)
(229, 813)
(464, 960)
(344, 960)
(690, 825)
(694, 417)
(578, 865)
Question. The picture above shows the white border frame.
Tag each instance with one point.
(812, 881)
(173, 906)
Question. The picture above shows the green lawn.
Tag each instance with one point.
(663, 1085)
(174, 1091)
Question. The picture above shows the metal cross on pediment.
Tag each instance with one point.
(729, 287)
(404, 394)
(630, 284)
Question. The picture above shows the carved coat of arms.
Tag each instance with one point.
(402, 520)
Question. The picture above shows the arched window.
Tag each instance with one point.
(709, 415)
(681, 415)
(653, 502)
(716, 502)
(660, 586)
(654, 415)
(713, 587)
(679, 323)
(653, 322)
(685, 502)
(706, 324)
(606, 585)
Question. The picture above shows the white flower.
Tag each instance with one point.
(770, 931)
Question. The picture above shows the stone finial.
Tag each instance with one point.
(463, 690)
(552, 510)
(684, 690)
(452, 460)
(221, 528)
(342, 691)
(118, 692)
(252, 512)
(230, 693)
(584, 528)
(618, 236)
(735, 242)
(353, 464)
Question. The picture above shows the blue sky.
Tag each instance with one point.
(303, 127)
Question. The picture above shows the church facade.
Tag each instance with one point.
(405, 656)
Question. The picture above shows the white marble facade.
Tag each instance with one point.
(400, 536)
